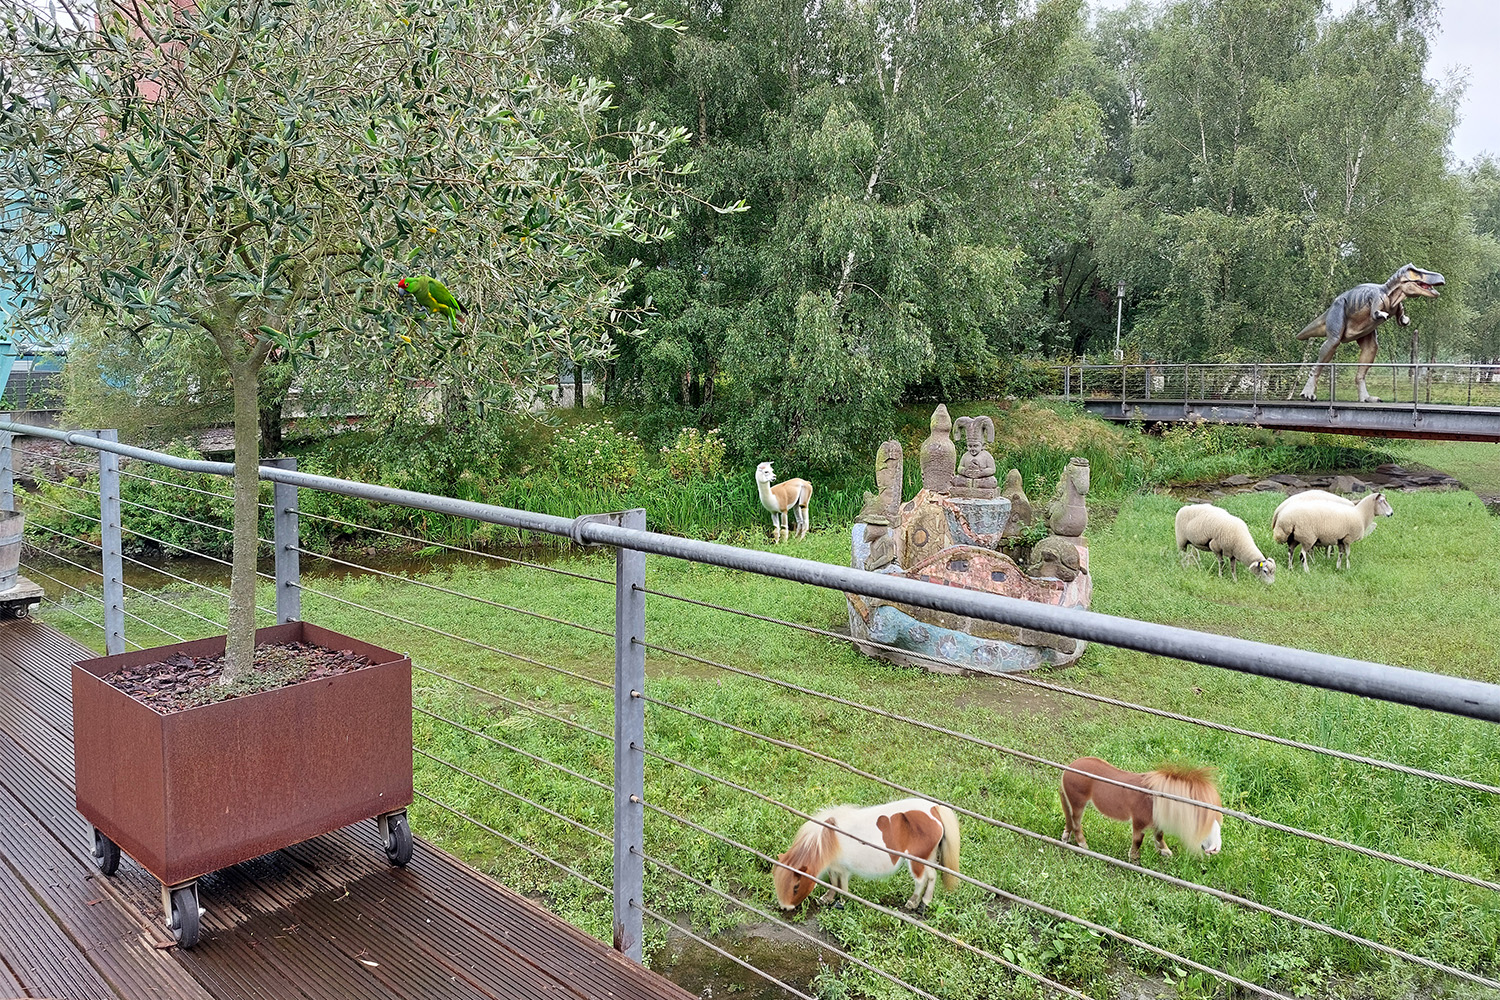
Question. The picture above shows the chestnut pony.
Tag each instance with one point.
(912, 826)
(1196, 826)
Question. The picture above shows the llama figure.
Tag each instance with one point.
(782, 499)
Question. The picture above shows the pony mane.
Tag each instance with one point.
(1188, 823)
(812, 850)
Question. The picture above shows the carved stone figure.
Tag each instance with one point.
(1055, 557)
(938, 453)
(976, 467)
(881, 513)
(1021, 512)
(1068, 514)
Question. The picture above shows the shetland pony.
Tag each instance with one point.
(912, 826)
(1196, 826)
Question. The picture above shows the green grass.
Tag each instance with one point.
(1475, 465)
(1417, 596)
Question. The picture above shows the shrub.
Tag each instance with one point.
(694, 455)
(598, 455)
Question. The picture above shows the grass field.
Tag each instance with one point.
(1417, 595)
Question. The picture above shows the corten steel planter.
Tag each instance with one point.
(208, 787)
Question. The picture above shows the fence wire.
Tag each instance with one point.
(1021, 678)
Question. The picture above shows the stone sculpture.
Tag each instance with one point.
(954, 532)
(976, 467)
(1021, 512)
(881, 513)
(938, 453)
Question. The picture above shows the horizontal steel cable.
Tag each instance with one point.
(609, 837)
(452, 635)
(608, 787)
(515, 843)
(70, 538)
(762, 973)
(154, 569)
(189, 520)
(125, 611)
(1043, 761)
(514, 749)
(83, 618)
(512, 701)
(878, 908)
(191, 583)
(806, 816)
(30, 499)
(1011, 897)
(1018, 678)
(602, 835)
(1220, 894)
(456, 548)
(176, 607)
(445, 590)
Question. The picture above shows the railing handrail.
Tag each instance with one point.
(1402, 685)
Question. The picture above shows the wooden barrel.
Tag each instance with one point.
(11, 525)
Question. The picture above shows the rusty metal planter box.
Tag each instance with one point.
(205, 788)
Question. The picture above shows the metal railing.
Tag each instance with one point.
(1391, 382)
(630, 741)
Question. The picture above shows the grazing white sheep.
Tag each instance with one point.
(1213, 529)
(1324, 522)
(1314, 496)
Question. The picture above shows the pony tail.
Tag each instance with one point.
(947, 852)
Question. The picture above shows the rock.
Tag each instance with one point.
(1237, 480)
(1267, 486)
(1390, 469)
(1342, 484)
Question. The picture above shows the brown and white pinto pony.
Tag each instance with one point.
(788, 499)
(912, 826)
(1196, 826)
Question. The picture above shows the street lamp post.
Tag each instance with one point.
(1119, 314)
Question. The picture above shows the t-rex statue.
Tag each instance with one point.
(1355, 314)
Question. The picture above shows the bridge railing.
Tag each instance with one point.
(673, 816)
(1391, 382)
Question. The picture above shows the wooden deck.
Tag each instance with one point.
(328, 918)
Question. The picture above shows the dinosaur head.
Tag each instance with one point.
(1416, 282)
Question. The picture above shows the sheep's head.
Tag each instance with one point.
(1265, 569)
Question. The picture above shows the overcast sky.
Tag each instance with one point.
(1467, 43)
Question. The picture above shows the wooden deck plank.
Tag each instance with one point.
(304, 922)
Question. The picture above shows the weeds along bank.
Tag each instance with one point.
(691, 484)
(1416, 597)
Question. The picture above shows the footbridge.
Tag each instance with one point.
(1438, 401)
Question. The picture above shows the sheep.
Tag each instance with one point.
(1324, 522)
(1306, 495)
(1213, 529)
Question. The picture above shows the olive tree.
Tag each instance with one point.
(251, 178)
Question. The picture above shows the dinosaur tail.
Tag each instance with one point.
(1317, 328)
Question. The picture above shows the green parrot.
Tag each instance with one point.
(434, 295)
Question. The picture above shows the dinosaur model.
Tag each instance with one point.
(1355, 314)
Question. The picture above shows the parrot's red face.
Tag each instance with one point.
(401, 284)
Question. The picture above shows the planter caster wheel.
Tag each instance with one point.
(185, 916)
(106, 853)
(395, 833)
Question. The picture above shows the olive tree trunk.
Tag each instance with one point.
(239, 650)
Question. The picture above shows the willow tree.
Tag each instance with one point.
(259, 174)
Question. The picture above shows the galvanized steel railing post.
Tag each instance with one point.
(7, 469)
(1067, 381)
(288, 559)
(111, 546)
(630, 740)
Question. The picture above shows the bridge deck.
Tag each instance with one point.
(328, 918)
(1403, 420)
